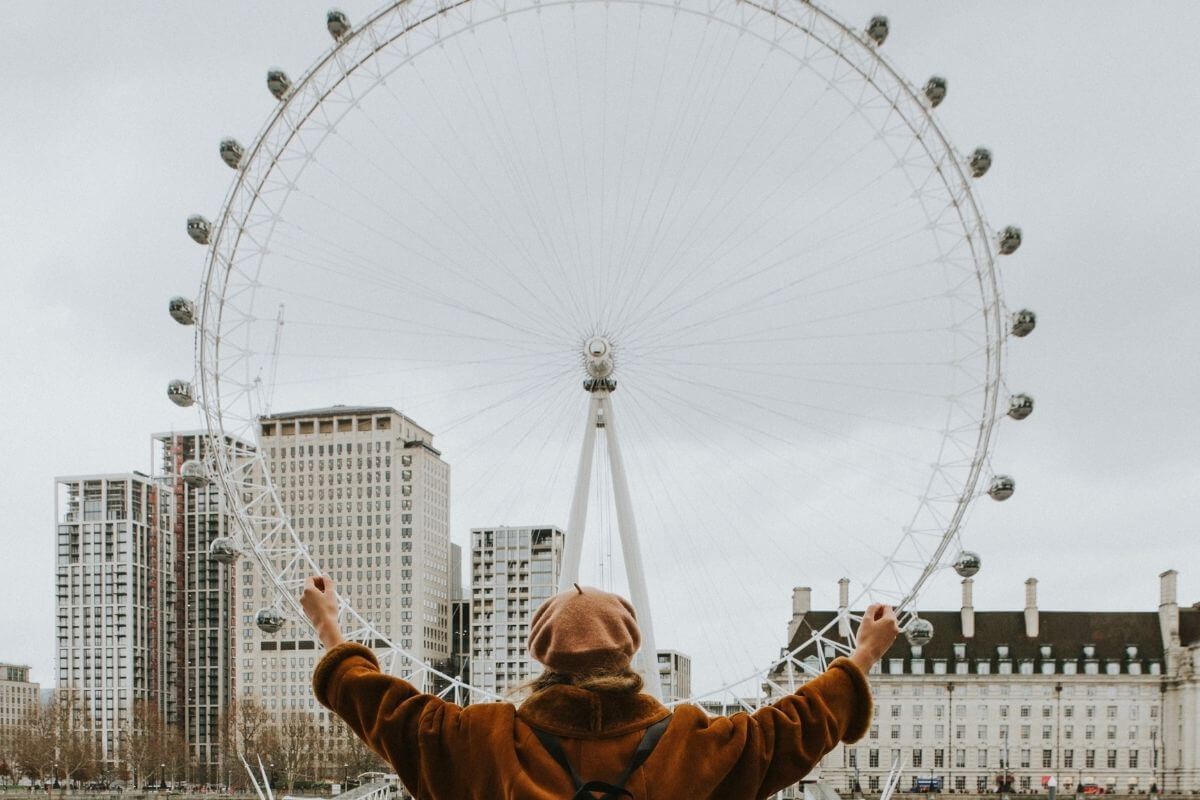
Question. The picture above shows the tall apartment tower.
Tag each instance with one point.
(513, 571)
(17, 693)
(369, 496)
(115, 597)
(204, 609)
(674, 675)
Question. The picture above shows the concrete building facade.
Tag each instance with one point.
(115, 596)
(17, 693)
(513, 571)
(1016, 697)
(674, 675)
(369, 496)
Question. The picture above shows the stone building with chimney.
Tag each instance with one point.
(1019, 697)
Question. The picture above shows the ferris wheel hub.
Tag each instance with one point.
(598, 358)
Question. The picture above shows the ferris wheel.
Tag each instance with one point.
(711, 272)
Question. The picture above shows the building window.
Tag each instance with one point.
(1112, 759)
(960, 758)
(1047, 758)
(939, 758)
(1089, 759)
(916, 757)
(1133, 759)
(895, 732)
(1069, 759)
(873, 757)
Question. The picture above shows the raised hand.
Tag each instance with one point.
(320, 605)
(878, 630)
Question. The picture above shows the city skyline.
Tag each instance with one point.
(1105, 465)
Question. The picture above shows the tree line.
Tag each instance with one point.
(56, 742)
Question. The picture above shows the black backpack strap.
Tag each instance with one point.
(645, 748)
(554, 748)
(584, 791)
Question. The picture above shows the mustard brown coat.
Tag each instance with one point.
(488, 751)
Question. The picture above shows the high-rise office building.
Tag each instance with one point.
(513, 571)
(369, 497)
(115, 596)
(204, 611)
(17, 693)
(674, 675)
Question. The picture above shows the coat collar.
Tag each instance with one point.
(576, 713)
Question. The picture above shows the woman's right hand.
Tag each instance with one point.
(878, 630)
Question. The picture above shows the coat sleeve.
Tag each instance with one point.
(390, 714)
(797, 731)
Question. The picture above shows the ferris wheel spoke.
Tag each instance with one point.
(659, 233)
(767, 439)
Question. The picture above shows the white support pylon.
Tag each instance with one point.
(598, 357)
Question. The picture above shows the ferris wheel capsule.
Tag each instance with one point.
(199, 229)
(1010, 240)
(194, 474)
(919, 632)
(338, 24)
(967, 564)
(877, 29)
(268, 620)
(182, 310)
(232, 152)
(181, 393)
(1002, 487)
(1020, 406)
(935, 90)
(279, 83)
(1023, 322)
(222, 550)
(981, 162)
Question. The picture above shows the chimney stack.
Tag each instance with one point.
(843, 606)
(801, 605)
(968, 608)
(1168, 617)
(1031, 611)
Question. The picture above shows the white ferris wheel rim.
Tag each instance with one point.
(320, 85)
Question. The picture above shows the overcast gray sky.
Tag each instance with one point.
(108, 142)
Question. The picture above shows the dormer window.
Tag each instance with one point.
(960, 651)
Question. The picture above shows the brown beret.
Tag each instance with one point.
(584, 630)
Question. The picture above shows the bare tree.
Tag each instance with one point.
(78, 753)
(296, 746)
(351, 756)
(243, 725)
(8, 762)
(33, 752)
(142, 741)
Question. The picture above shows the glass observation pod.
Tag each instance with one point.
(1010, 240)
(232, 152)
(269, 620)
(981, 162)
(181, 393)
(967, 564)
(194, 474)
(222, 550)
(877, 29)
(1023, 322)
(935, 90)
(1020, 406)
(199, 229)
(338, 24)
(1002, 487)
(182, 310)
(919, 632)
(279, 83)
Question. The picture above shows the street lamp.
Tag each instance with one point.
(162, 777)
(345, 776)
